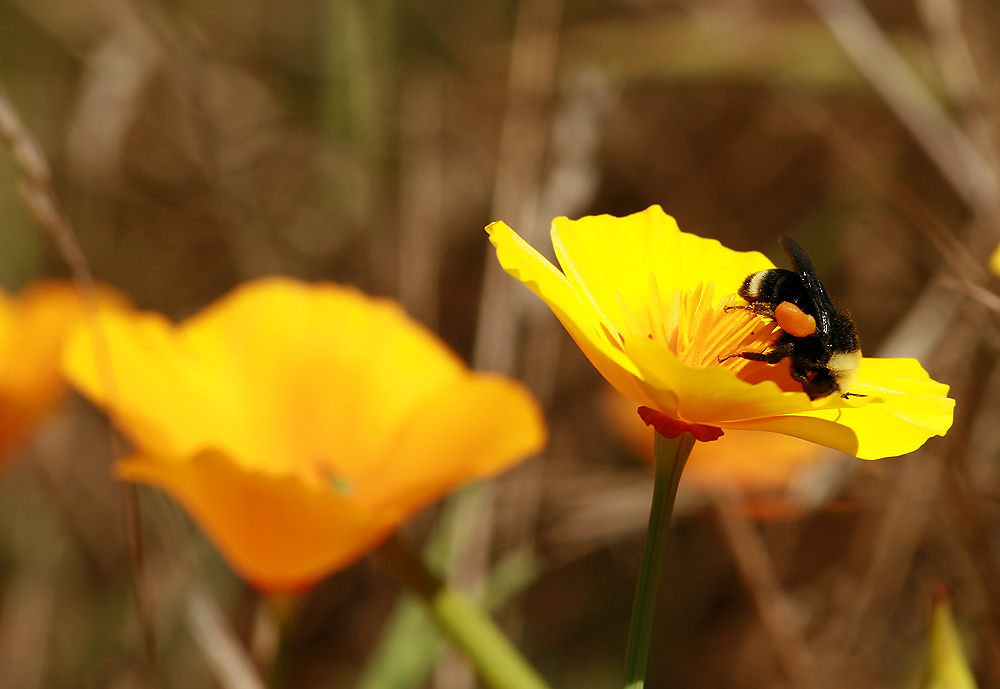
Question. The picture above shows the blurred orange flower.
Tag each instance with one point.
(301, 424)
(646, 304)
(34, 326)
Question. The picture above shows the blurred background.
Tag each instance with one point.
(197, 144)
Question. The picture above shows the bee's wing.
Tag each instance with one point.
(817, 293)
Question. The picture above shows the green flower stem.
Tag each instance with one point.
(499, 664)
(671, 455)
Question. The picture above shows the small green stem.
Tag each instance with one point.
(499, 664)
(671, 454)
(283, 609)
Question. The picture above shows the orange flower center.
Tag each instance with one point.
(697, 327)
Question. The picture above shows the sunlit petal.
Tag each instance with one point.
(911, 408)
(610, 260)
(589, 329)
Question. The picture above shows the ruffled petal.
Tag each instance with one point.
(910, 407)
(152, 385)
(326, 374)
(609, 261)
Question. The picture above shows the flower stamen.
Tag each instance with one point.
(700, 329)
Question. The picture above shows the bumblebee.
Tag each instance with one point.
(820, 340)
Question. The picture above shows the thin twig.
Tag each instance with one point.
(230, 661)
(522, 145)
(943, 22)
(777, 614)
(519, 172)
(867, 46)
(36, 187)
(40, 197)
(902, 197)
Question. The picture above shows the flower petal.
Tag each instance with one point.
(317, 372)
(325, 373)
(714, 395)
(610, 260)
(471, 430)
(822, 431)
(913, 408)
(160, 396)
(34, 326)
(276, 531)
(300, 424)
(585, 325)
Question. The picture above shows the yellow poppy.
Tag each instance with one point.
(301, 424)
(33, 328)
(647, 305)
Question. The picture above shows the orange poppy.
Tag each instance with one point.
(34, 326)
(301, 424)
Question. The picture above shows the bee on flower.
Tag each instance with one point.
(659, 313)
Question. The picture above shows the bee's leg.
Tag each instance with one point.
(852, 394)
(798, 375)
(772, 356)
(760, 308)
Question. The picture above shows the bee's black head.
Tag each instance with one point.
(820, 384)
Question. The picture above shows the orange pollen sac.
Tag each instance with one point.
(794, 320)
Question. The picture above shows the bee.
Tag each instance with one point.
(820, 340)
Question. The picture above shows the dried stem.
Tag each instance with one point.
(777, 614)
(40, 197)
(959, 161)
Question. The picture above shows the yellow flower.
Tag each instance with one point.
(646, 304)
(301, 424)
(33, 328)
